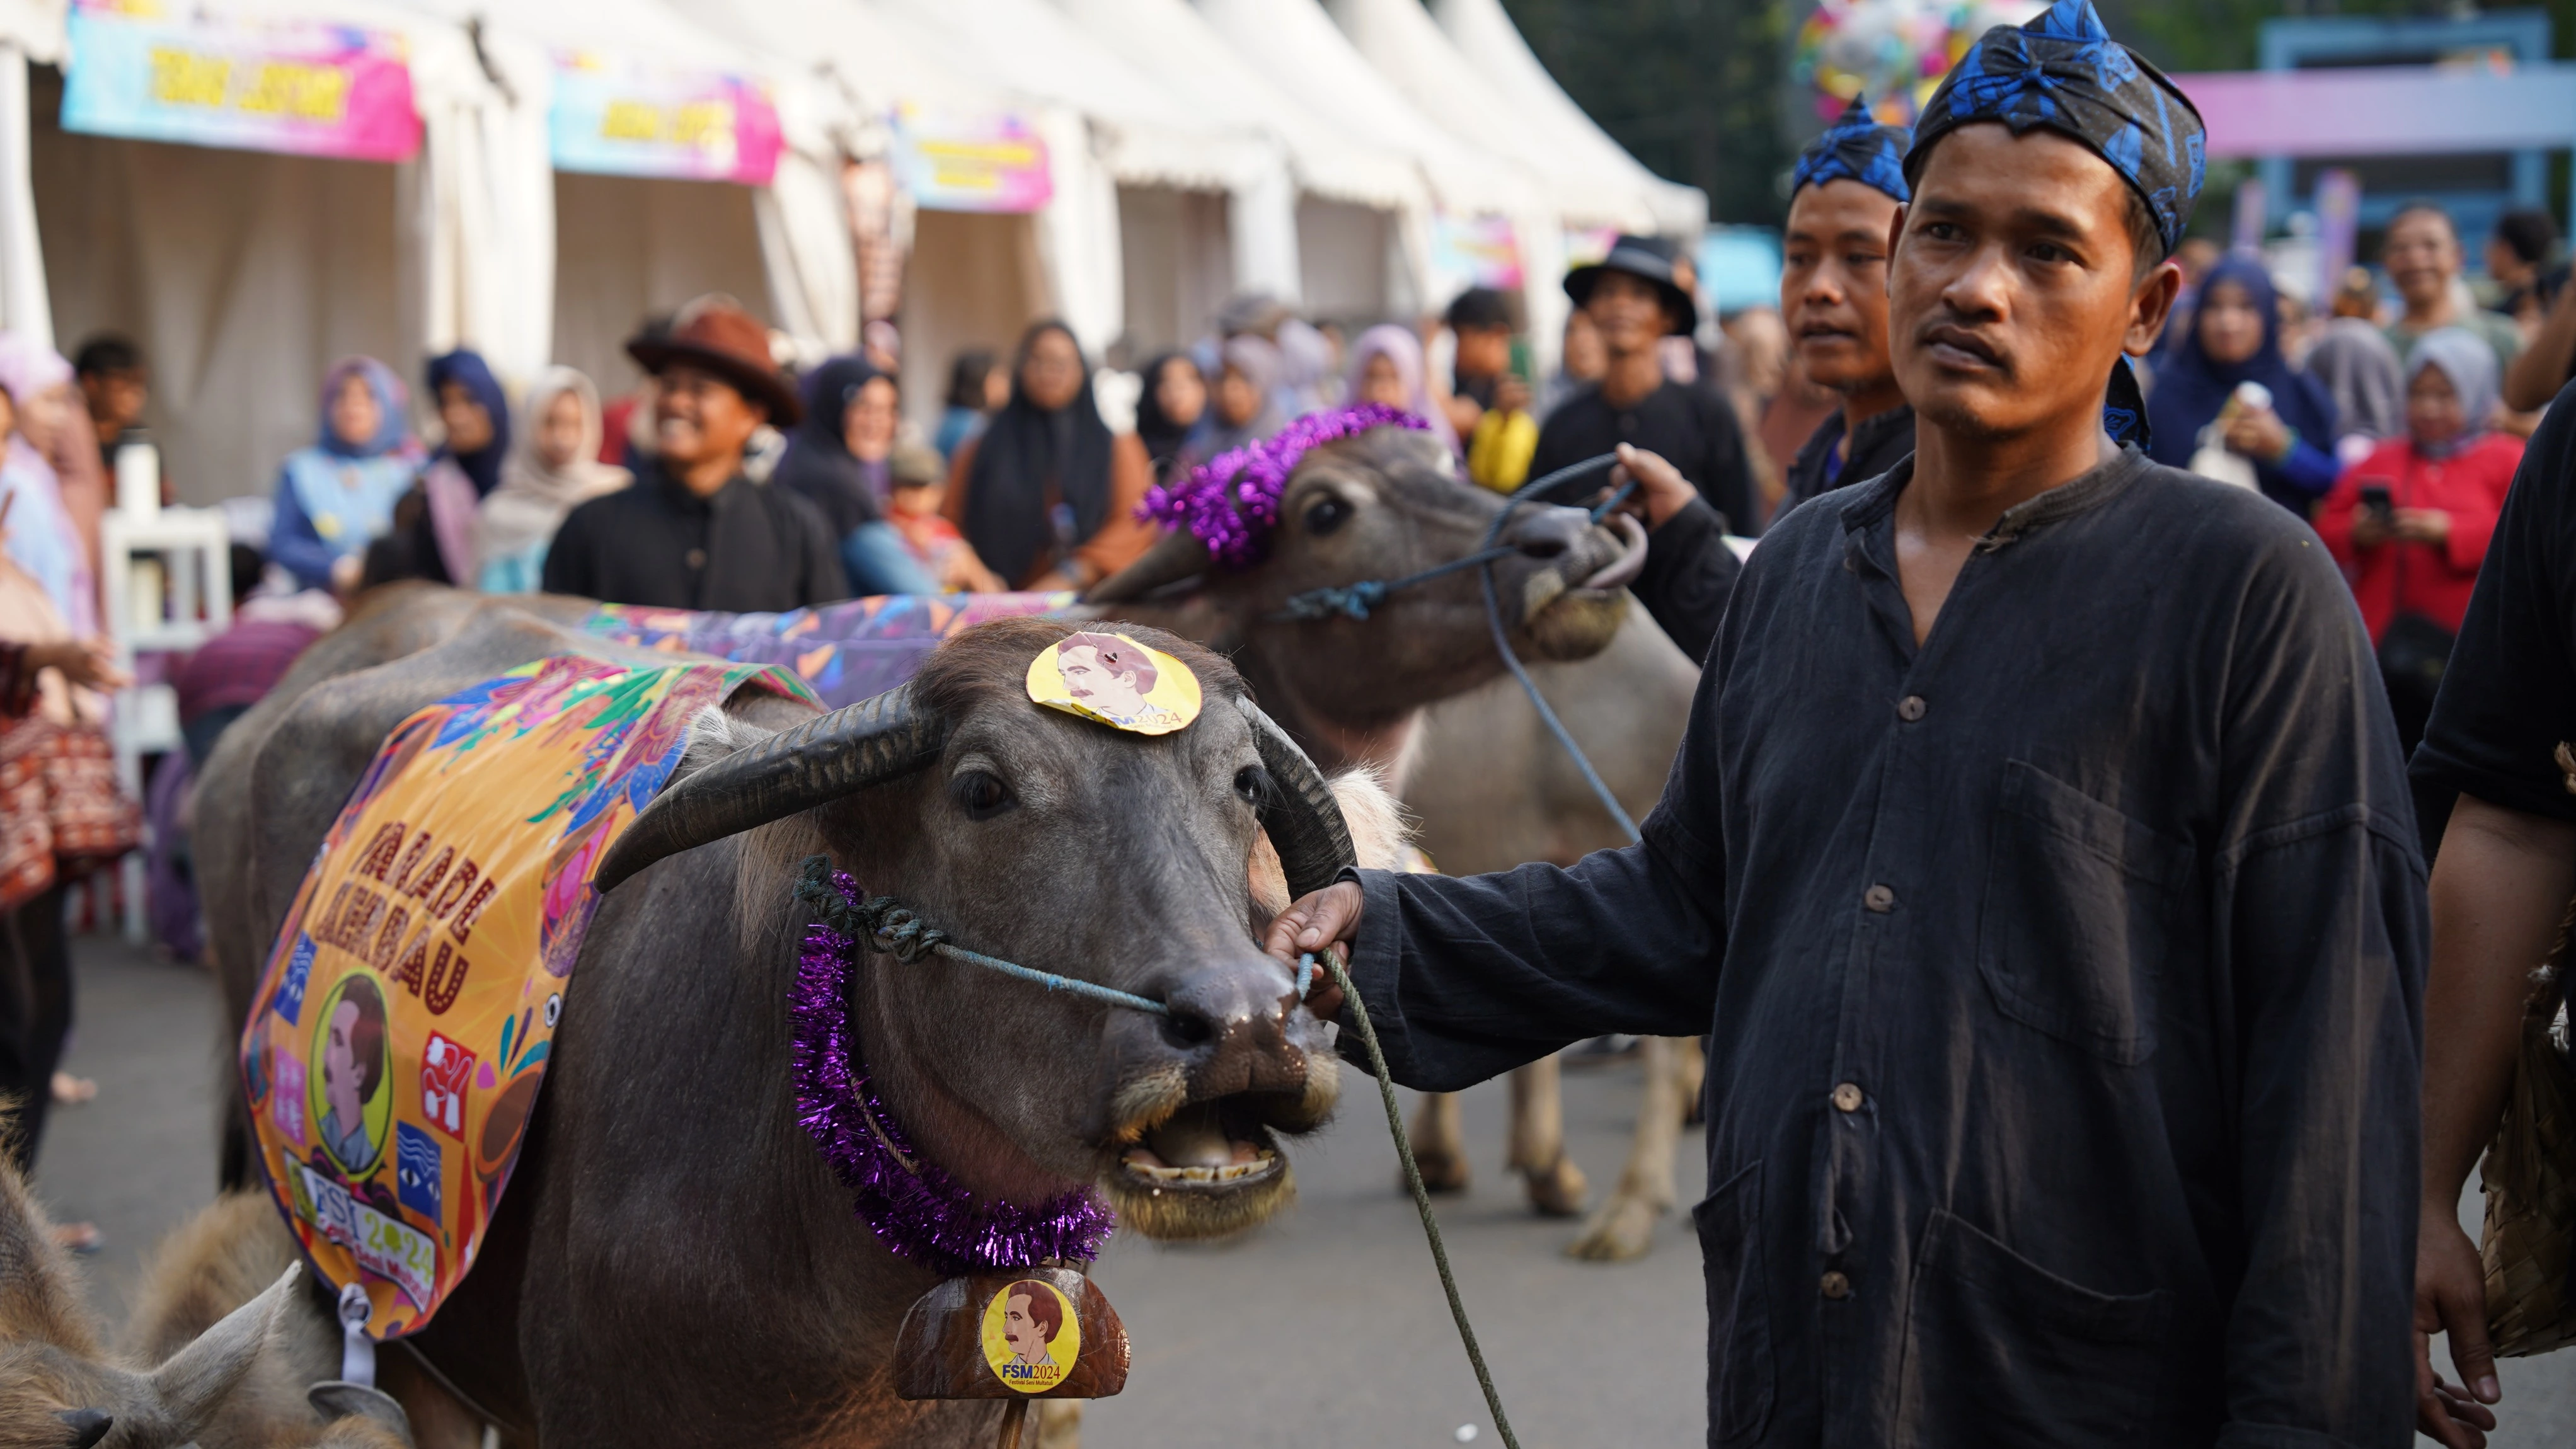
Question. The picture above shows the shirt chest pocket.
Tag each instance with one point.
(2082, 905)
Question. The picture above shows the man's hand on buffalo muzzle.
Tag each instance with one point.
(1328, 917)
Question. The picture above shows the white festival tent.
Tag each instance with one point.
(648, 243)
(1297, 45)
(1341, 181)
(974, 277)
(244, 273)
(1113, 135)
(1494, 47)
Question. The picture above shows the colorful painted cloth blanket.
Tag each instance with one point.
(402, 1027)
(844, 652)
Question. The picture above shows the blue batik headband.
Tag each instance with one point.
(1857, 148)
(2063, 71)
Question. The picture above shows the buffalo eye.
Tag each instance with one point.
(1326, 514)
(981, 794)
(1253, 784)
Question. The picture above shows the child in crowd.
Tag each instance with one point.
(917, 486)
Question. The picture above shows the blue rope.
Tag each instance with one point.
(888, 927)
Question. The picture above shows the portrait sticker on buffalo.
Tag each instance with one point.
(1031, 1336)
(1117, 681)
(409, 1007)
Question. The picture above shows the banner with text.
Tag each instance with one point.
(970, 163)
(624, 118)
(243, 82)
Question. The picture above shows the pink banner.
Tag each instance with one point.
(244, 82)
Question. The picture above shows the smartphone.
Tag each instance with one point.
(2378, 499)
(1521, 365)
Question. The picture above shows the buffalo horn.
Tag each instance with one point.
(1303, 819)
(1177, 555)
(820, 760)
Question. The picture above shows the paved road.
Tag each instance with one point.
(1326, 1327)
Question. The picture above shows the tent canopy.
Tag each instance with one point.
(1295, 44)
(1148, 137)
(1491, 44)
(1400, 39)
(1203, 73)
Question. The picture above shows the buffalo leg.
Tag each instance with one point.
(1555, 1184)
(1439, 1142)
(1623, 1227)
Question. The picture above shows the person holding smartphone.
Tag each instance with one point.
(2410, 522)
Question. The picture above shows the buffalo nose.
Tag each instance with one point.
(1233, 1013)
(1545, 531)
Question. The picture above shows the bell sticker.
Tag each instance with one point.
(1031, 1336)
(1117, 681)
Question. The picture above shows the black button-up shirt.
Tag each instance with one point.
(2062, 978)
(749, 548)
(1692, 428)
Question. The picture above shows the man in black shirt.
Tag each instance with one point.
(693, 532)
(1633, 301)
(2499, 740)
(2038, 862)
(1833, 297)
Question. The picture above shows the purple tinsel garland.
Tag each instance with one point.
(916, 1210)
(1235, 529)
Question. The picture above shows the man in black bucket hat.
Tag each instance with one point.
(692, 532)
(1633, 301)
(2039, 863)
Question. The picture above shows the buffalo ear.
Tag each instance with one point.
(198, 1378)
(87, 1426)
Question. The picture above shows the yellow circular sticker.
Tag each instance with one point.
(1031, 1336)
(1117, 681)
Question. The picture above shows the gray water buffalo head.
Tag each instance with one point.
(1379, 506)
(1066, 845)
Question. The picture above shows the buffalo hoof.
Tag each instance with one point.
(1557, 1191)
(1442, 1170)
(1622, 1230)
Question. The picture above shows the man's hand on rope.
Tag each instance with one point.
(1330, 916)
(1662, 491)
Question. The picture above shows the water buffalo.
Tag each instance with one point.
(674, 1264)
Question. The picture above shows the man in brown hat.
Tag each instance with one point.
(1634, 302)
(694, 532)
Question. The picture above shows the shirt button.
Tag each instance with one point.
(1847, 1098)
(1836, 1286)
(1910, 708)
(1879, 898)
(697, 558)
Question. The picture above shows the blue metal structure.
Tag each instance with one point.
(2475, 188)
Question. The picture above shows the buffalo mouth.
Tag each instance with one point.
(1210, 1168)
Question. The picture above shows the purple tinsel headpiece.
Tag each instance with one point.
(916, 1210)
(1232, 500)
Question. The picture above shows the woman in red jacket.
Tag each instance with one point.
(2410, 522)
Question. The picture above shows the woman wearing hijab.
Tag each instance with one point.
(1387, 369)
(550, 469)
(838, 457)
(1048, 495)
(976, 390)
(43, 534)
(337, 495)
(2358, 369)
(1172, 411)
(2410, 522)
(1245, 398)
(2233, 337)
